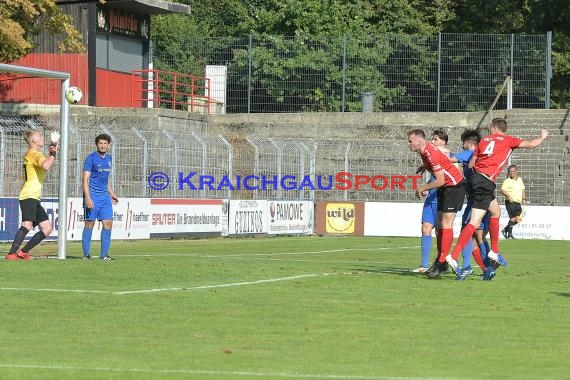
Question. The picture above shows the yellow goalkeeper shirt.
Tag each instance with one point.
(33, 175)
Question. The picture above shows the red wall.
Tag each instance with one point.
(114, 89)
(23, 89)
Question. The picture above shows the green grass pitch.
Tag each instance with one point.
(283, 308)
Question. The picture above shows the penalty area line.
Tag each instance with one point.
(222, 255)
(158, 290)
(242, 283)
(292, 375)
(55, 290)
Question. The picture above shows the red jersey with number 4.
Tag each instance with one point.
(493, 153)
(435, 160)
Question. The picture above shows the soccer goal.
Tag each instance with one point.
(15, 118)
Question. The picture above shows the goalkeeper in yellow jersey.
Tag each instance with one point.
(36, 164)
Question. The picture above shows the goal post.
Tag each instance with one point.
(63, 152)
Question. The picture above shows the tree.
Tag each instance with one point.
(20, 20)
(553, 15)
(523, 16)
(339, 17)
(303, 41)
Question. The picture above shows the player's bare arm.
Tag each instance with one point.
(439, 182)
(114, 197)
(47, 163)
(536, 142)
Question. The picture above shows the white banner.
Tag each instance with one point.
(131, 219)
(291, 217)
(404, 219)
(225, 217)
(248, 217)
(185, 217)
(392, 219)
(541, 222)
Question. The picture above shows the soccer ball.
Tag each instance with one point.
(73, 95)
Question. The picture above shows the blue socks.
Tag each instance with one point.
(105, 242)
(467, 253)
(484, 248)
(86, 241)
(426, 250)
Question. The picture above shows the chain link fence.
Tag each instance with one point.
(13, 148)
(261, 167)
(447, 72)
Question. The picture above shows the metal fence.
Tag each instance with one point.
(12, 150)
(256, 167)
(447, 72)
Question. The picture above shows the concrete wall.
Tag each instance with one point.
(340, 125)
(383, 125)
(141, 118)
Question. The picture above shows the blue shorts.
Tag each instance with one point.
(102, 208)
(485, 222)
(429, 213)
(466, 212)
(467, 216)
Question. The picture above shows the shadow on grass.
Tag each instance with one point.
(561, 294)
(408, 272)
(399, 272)
(389, 270)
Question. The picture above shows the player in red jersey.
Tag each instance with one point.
(489, 159)
(450, 194)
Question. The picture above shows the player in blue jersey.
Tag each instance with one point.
(469, 139)
(98, 197)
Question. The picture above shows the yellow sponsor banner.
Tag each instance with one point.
(340, 218)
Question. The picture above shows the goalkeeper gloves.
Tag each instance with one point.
(54, 136)
(52, 149)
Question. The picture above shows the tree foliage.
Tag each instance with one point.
(22, 19)
(524, 16)
(303, 41)
(277, 25)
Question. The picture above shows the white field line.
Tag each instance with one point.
(199, 287)
(55, 290)
(229, 285)
(273, 253)
(313, 261)
(286, 375)
(257, 256)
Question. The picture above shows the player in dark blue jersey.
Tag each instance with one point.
(98, 197)
(478, 246)
(469, 139)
